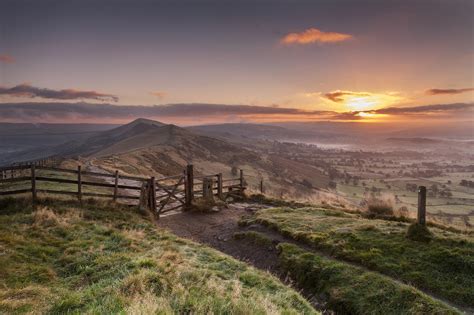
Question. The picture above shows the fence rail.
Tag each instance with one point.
(158, 194)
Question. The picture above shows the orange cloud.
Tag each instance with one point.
(447, 91)
(362, 100)
(313, 35)
(7, 59)
(338, 96)
(159, 94)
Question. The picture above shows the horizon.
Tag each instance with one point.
(247, 62)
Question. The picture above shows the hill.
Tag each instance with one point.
(104, 258)
(149, 147)
(26, 141)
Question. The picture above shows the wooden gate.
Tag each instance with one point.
(169, 193)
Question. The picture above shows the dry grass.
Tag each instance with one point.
(378, 207)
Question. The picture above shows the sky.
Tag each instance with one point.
(299, 60)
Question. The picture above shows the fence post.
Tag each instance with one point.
(421, 205)
(219, 186)
(189, 184)
(79, 183)
(207, 185)
(33, 183)
(241, 181)
(261, 185)
(116, 185)
(152, 195)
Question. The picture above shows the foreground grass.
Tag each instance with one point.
(352, 290)
(105, 258)
(443, 266)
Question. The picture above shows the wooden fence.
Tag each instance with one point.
(158, 194)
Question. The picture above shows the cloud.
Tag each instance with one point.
(207, 113)
(57, 112)
(26, 90)
(447, 91)
(338, 96)
(313, 35)
(7, 59)
(424, 109)
(159, 94)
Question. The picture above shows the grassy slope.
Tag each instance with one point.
(104, 258)
(352, 290)
(444, 266)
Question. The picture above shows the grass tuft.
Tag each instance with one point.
(419, 233)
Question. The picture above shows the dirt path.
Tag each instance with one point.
(217, 230)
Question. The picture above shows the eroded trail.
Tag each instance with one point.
(217, 230)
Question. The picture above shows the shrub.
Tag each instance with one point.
(380, 208)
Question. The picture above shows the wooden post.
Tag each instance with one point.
(421, 205)
(219, 186)
(241, 181)
(207, 185)
(33, 183)
(79, 183)
(261, 185)
(152, 194)
(189, 185)
(144, 196)
(116, 185)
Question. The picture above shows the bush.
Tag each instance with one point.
(380, 208)
(419, 233)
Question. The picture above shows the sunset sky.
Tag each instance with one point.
(300, 60)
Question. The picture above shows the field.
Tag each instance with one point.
(443, 266)
(103, 258)
(356, 177)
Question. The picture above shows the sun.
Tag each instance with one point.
(361, 103)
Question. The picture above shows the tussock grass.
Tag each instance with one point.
(352, 290)
(444, 266)
(105, 258)
(379, 208)
(418, 232)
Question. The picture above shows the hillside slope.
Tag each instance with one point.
(105, 258)
(148, 147)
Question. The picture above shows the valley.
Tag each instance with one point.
(281, 161)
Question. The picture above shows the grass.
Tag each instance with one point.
(352, 290)
(103, 258)
(444, 266)
(418, 232)
(254, 237)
